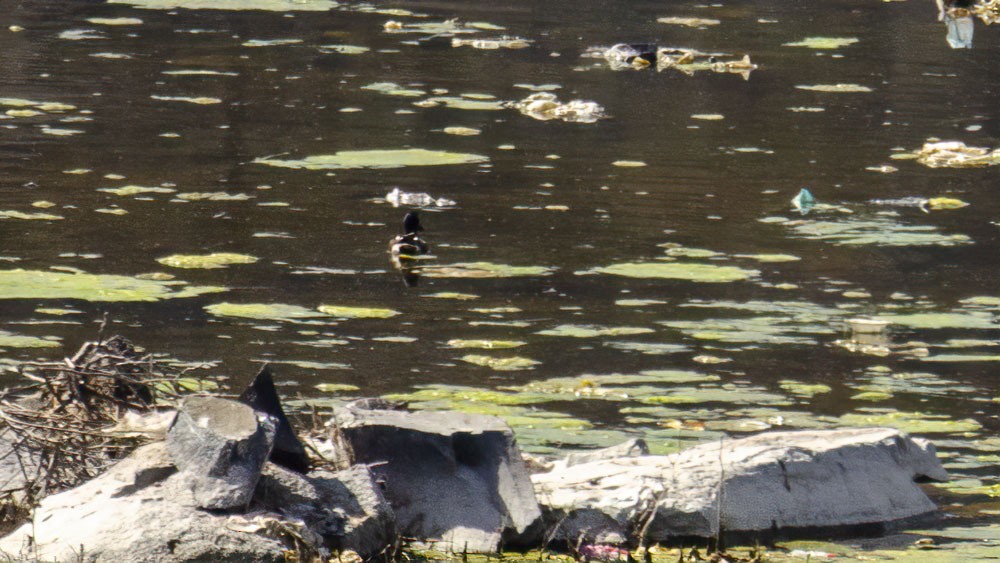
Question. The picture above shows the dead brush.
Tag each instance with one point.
(58, 428)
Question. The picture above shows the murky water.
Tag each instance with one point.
(657, 243)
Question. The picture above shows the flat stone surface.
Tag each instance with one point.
(139, 510)
(220, 446)
(769, 482)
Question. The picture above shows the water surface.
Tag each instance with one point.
(644, 274)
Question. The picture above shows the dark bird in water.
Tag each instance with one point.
(409, 244)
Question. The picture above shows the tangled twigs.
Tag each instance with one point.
(54, 429)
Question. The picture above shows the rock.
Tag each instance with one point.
(772, 482)
(220, 446)
(629, 448)
(453, 479)
(345, 507)
(261, 396)
(139, 510)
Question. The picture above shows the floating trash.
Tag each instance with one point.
(804, 201)
(398, 197)
(492, 44)
(546, 106)
(955, 154)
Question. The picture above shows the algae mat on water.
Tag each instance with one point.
(706, 273)
(267, 5)
(397, 158)
(34, 284)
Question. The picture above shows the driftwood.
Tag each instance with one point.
(55, 428)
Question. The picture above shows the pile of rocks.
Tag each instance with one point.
(231, 481)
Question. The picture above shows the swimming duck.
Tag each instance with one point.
(409, 244)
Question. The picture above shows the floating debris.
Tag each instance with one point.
(545, 106)
(492, 44)
(804, 201)
(445, 28)
(398, 197)
(955, 154)
(988, 11)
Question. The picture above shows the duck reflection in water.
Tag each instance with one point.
(406, 249)
(957, 16)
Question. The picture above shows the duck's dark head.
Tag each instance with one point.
(411, 223)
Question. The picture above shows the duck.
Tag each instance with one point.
(409, 244)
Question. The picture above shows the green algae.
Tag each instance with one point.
(34, 284)
(591, 331)
(638, 302)
(823, 42)
(703, 273)
(444, 397)
(930, 321)
(455, 102)
(483, 270)
(206, 261)
(131, 190)
(115, 21)
(961, 358)
(375, 159)
(393, 89)
(346, 49)
(452, 295)
(57, 312)
(213, 196)
(263, 311)
(241, 5)
(806, 390)
(197, 100)
(877, 230)
(270, 42)
(11, 340)
(485, 344)
(910, 422)
(685, 252)
(648, 348)
(769, 258)
(29, 216)
(513, 363)
(850, 88)
(347, 312)
(337, 387)
(756, 330)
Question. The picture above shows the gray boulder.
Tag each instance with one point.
(771, 482)
(139, 510)
(629, 448)
(346, 508)
(220, 446)
(454, 479)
